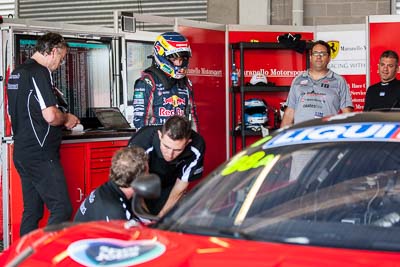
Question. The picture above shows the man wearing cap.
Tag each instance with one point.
(317, 92)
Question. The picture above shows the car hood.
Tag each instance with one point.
(117, 244)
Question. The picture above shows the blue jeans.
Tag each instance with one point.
(43, 182)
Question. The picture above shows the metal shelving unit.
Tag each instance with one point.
(242, 88)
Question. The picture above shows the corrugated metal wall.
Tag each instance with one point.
(395, 7)
(7, 7)
(100, 12)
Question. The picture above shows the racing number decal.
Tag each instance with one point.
(247, 162)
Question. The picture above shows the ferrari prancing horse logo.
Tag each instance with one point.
(334, 45)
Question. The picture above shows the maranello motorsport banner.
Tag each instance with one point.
(349, 57)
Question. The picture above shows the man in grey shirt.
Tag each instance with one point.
(317, 92)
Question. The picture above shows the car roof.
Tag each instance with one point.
(353, 117)
(346, 127)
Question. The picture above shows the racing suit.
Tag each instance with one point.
(157, 97)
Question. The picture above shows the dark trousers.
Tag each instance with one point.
(43, 182)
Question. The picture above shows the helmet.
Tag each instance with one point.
(172, 45)
(255, 113)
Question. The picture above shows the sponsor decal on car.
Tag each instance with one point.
(345, 132)
(114, 252)
(243, 162)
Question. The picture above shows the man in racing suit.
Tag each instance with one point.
(163, 90)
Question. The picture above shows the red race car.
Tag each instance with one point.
(321, 193)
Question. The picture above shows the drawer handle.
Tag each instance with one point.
(80, 194)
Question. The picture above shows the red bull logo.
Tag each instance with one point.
(174, 100)
(163, 112)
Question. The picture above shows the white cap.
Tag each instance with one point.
(258, 78)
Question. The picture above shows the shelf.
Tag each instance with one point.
(261, 88)
(241, 47)
(247, 132)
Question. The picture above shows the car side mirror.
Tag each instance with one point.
(145, 187)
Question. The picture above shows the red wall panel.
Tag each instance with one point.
(207, 73)
(382, 36)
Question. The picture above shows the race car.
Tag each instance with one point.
(325, 192)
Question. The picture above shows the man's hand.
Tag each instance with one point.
(288, 117)
(176, 193)
(347, 110)
(57, 118)
(71, 121)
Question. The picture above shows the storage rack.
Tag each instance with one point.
(242, 88)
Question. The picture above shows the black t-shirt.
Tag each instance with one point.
(30, 90)
(188, 166)
(107, 202)
(383, 95)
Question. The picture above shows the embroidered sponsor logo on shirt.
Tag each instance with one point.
(325, 84)
(14, 76)
(163, 112)
(138, 113)
(82, 208)
(312, 106)
(139, 94)
(318, 114)
(11, 86)
(138, 101)
(313, 93)
(303, 82)
(174, 100)
(92, 196)
(199, 170)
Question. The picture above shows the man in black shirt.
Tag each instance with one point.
(386, 93)
(176, 155)
(37, 123)
(112, 200)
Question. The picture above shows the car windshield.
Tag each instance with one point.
(338, 194)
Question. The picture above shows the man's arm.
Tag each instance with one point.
(176, 193)
(346, 102)
(56, 118)
(142, 104)
(347, 109)
(193, 111)
(288, 117)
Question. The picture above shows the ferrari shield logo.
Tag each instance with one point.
(334, 48)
